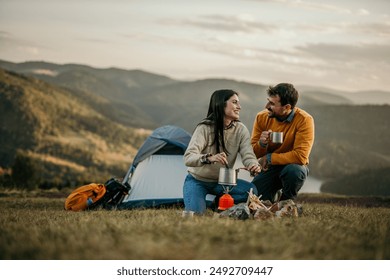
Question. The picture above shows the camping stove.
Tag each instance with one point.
(225, 201)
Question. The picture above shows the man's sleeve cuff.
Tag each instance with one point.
(269, 158)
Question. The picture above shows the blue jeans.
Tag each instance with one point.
(288, 178)
(195, 191)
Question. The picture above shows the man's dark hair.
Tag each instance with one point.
(287, 93)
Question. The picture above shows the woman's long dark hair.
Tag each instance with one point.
(216, 114)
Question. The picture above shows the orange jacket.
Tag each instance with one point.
(298, 137)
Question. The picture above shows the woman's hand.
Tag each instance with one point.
(221, 158)
(254, 169)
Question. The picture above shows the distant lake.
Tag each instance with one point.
(312, 185)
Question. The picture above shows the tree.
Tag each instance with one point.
(24, 171)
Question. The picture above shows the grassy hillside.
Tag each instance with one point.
(64, 133)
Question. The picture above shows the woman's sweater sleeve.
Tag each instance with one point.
(196, 147)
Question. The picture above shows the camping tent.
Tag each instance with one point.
(157, 173)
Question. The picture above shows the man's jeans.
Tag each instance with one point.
(195, 192)
(288, 178)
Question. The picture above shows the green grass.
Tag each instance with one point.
(37, 228)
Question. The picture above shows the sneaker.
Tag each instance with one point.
(277, 196)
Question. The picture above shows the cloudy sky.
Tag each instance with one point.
(342, 44)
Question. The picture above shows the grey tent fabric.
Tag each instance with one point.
(161, 137)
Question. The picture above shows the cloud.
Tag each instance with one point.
(363, 12)
(339, 53)
(4, 35)
(8, 42)
(310, 5)
(375, 29)
(234, 23)
(372, 28)
(94, 40)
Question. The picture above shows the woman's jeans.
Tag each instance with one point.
(195, 191)
(288, 178)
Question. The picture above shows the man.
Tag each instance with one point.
(284, 164)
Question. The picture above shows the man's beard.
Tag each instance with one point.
(271, 114)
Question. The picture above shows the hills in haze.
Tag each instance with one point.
(82, 122)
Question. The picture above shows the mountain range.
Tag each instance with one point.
(82, 122)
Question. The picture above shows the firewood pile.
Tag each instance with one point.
(258, 209)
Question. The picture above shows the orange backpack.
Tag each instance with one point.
(84, 196)
(93, 196)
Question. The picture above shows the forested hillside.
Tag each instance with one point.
(64, 135)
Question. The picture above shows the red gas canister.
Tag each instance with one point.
(225, 202)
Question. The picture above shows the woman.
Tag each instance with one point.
(215, 143)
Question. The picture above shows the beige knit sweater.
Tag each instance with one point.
(237, 140)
